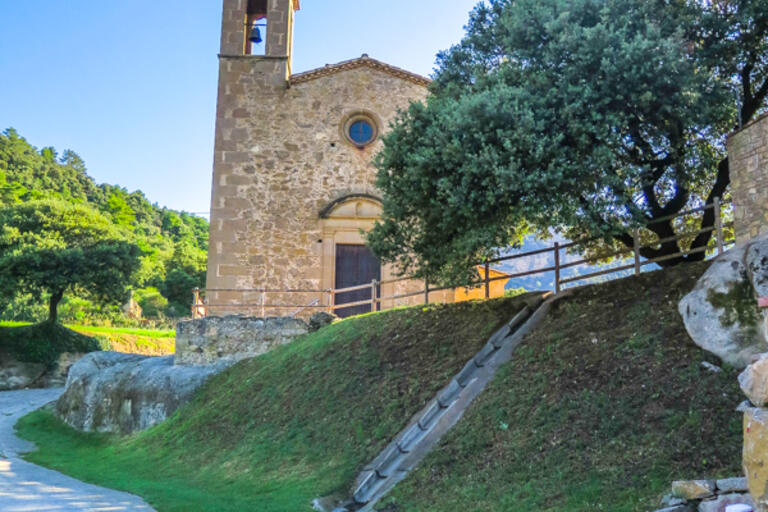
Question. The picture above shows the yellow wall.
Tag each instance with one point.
(496, 287)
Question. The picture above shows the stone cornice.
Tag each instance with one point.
(364, 61)
(752, 122)
(254, 57)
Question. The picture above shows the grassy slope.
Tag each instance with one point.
(276, 431)
(150, 342)
(601, 407)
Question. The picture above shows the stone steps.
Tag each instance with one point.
(442, 412)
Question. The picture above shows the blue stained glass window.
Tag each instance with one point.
(361, 132)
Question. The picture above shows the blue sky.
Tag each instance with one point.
(131, 85)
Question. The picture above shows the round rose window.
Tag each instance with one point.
(361, 132)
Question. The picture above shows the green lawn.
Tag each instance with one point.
(150, 333)
(121, 339)
(274, 432)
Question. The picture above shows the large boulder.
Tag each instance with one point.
(122, 393)
(721, 313)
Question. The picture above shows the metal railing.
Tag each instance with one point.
(326, 299)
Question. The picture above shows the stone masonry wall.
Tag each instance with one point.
(280, 157)
(231, 338)
(748, 160)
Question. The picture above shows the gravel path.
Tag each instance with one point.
(25, 487)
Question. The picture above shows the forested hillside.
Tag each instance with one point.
(174, 244)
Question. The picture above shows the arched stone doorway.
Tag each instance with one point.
(346, 261)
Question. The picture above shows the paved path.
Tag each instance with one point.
(25, 487)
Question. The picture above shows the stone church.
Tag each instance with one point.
(293, 178)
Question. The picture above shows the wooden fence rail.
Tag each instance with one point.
(201, 307)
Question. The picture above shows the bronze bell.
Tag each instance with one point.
(255, 36)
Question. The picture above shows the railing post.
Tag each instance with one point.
(487, 282)
(331, 300)
(636, 249)
(263, 304)
(196, 303)
(718, 226)
(557, 267)
(426, 291)
(373, 295)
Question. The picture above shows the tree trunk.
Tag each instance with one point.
(53, 306)
(665, 229)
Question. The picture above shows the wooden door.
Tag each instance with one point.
(355, 265)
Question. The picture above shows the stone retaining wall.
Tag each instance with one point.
(231, 338)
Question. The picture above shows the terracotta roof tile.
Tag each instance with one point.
(364, 61)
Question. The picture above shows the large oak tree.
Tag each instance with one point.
(587, 117)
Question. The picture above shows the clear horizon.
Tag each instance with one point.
(135, 95)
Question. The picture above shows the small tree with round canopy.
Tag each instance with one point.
(49, 248)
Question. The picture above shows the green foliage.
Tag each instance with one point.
(168, 240)
(44, 342)
(152, 302)
(177, 287)
(54, 247)
(514, 292)
(587, 117)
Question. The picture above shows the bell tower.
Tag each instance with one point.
(254, 73)
(258, 28)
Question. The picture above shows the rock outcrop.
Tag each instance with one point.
(16, 374)
(122, 393)
(721, 313)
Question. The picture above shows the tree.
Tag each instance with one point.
(53, 247)
(589, 117)
(28, 174)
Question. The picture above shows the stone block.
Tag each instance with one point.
(389, 461)
(449, 394)
(754, 381)
(485, 354)
(693, 489)
(410, 437)
(467, 373)
(755, 455)
(735, 484)
(500, 336)
(367, 488)
(724, 501)
(429, 417)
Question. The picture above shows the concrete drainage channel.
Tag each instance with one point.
(427, 427)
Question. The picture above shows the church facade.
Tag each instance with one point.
(293, 182)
